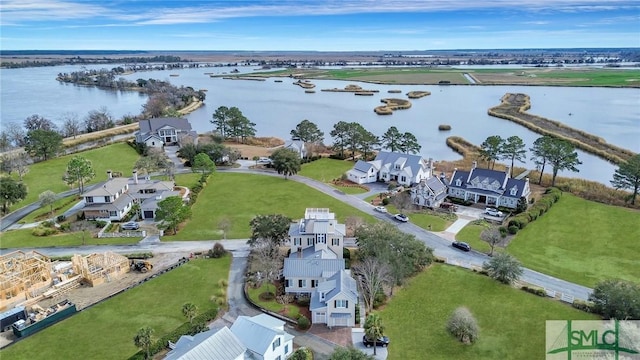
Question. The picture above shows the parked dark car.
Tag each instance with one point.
(461, 245)
(383, 341)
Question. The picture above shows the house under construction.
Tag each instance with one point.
(23, 275)
(96, 269)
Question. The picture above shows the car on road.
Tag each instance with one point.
(493, 212)
(461, 245)
(264, 160)
(381, 209)
(131, 225)
(401, 217)
(381, 341)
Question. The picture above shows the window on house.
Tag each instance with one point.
(113, 213)
(302, 283)
(403, 178)
(286, 348)
(341, 304)
(279, 357)
(314, 283)
(514, 191)
(458, 182)
(322, 296)
(321, 239)
(287, 283)
(276, 344)
(309, 241)
(89, 199)
(335, 242)
(107, 199)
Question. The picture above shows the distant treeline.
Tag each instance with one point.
(78, 60)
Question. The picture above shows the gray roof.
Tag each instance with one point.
(308, 268)
(109, 188)
(436, 185)
(258, 332)
(362, 166)
(313, 226)
(220, 344)
(152, 202)
(413, 162)
(487, 176)
(121, 202)
(152, 125)
(311, 253)
(340, 283)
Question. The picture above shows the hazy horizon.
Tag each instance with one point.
(315, 25)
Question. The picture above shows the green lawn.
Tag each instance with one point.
(512, 322)
(326, 169)
(581, 241)
(106, 330)
(47, 175)
(240, 197)
(24, 238)
(471, 235)
(254, 294)
(425, 220)
(43, 213)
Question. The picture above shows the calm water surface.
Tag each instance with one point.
(276, 108)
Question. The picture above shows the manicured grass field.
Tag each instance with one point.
(47, 175)
(240, 197)
(326, 169)
(254, 294)
(471, 235)
(43, 213)
(23, 238)
(423, 219)
(602, 77)
(106, 330)
(582, 241)
(511, 321)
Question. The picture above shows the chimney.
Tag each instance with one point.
(109, 176)
(135, 177)
(474, 164)
(507, 171)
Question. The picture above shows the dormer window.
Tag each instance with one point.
(458, 182)
(514, 191)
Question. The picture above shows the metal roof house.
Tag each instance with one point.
(264, 336)
(406, 169)
(491, 187)
(214, 344)
(334, 301)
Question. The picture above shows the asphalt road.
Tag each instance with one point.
(442, 247)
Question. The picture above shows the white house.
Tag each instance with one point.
(264, 336)
(157, 132)
(303, 275)
(490, 187)
(429, 193)
(214, 344)
(298, 146)
(261, 337)
(115, 198)
(405, 169)
(334, 301)
(319, 231)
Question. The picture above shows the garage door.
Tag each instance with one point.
(321, 318)
(148, 214)
(341, 321)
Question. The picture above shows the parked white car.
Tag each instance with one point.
(493, 212)
(381, 209)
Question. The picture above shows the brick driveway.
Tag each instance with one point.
(338, 335)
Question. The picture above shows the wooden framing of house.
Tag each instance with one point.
(96, 269)
(22, 276)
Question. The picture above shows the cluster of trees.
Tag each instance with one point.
(230, 123)
(558, 153)
(386, 257)
(215, 150)
(268, 233)
(354, 138)
(166, 99)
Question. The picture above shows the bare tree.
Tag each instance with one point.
(402, 201)
(352, 223)
(47, 198)
(492, 236)
(373, 275)
(267, 261)
(16, 134)
(17, 160)
(71, 124)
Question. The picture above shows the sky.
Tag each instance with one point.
(313, 25)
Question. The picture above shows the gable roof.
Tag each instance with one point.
(152, 125)
(415, 162)
(435, 185)
(487, 176)
(109, 188)
(220, 344)
(362, 166)
(341, 283)
(308, 268)
(258, 332)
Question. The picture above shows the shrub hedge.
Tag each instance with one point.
(534, 290)
(520, 221)
(585, 306)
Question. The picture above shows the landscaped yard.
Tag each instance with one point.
(425, 219)
(24, 238)
(326, 169)
(511, 321)
(47, 175)
(471, 235)
(240, 197)
(581, 241)
(106, 330)
(292, 310)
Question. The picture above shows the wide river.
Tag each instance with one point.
(276, 107)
